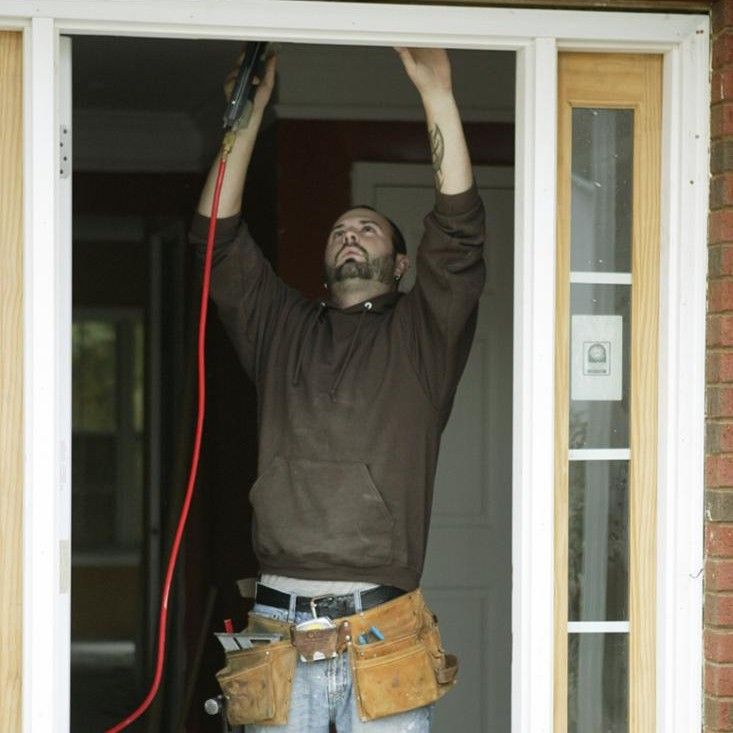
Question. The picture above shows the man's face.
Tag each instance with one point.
(360, 247)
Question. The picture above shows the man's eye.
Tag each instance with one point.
(367, 228)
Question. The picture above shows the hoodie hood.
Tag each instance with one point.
(376, 305)
(379, 304)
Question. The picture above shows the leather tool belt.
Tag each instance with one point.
(395, 652)
(328, 605)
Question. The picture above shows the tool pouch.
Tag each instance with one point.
(257, 682)
(405, 672)
(316, 644)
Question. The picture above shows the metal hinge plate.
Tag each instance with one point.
(65, 151)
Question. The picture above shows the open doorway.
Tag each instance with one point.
(140, 155)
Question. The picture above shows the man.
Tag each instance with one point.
(353, 394)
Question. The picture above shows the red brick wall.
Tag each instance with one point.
(718, 616)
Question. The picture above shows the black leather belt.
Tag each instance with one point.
(328, 605)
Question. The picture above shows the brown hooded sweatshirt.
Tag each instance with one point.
(351, 402)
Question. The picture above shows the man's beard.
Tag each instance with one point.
(380, 269)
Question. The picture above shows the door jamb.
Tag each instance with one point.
(684, 40)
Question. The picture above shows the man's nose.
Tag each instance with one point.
(350, 235)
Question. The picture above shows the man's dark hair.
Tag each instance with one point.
(398, 241)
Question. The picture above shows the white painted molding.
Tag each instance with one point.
(358, 23)
(601, 278)
(685, 176)
(533, 460)
(47, 390)
(63, 249)
(598, 627)
(599, 454)
(14, 24)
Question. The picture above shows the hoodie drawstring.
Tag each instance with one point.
(349, 352)
(301, 347)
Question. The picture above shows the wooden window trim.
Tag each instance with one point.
(616, 81)
(11, 378)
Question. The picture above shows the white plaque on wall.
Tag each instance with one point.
(596, 358)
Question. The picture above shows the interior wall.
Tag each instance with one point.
(11, 380)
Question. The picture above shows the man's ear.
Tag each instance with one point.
(401, 265)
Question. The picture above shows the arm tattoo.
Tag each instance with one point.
(437, 148)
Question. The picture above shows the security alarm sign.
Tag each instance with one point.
(595, 358)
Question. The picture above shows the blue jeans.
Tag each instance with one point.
(323, 693)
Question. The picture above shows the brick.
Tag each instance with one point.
(719, 401)
(718, 437)
(718, 575)
(719, 330)
(719, 505)
(718, 645)
(725, 436)
(719, 543)
(717, 120)
(721, 156)
(720, 225)
(722, 85)
(719, 609)
(722, 15)
(718, 471)
(723, 49)
(718, 714)
(712, 428)
(719, 679)
(721, 120)
(720, 296)
(712, 375)
(720, 260)
(719, 367)
(718, 191)
(721, 190)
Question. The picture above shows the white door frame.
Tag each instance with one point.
(536, 36)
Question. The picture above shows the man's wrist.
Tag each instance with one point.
(438, 98)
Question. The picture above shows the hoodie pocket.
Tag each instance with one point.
(317, 513)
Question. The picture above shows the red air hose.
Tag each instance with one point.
(201, 361)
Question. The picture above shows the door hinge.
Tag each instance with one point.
(65, 151)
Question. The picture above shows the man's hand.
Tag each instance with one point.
(264, 85)
(428, 69)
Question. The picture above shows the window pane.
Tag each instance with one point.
(108, 430)
(600, 418)
(597, 683)
(94, 375)
(602, 166)
(598, 559)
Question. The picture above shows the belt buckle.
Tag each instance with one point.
(316, 599)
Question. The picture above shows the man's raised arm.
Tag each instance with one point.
(230, 201)
(430, 72)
